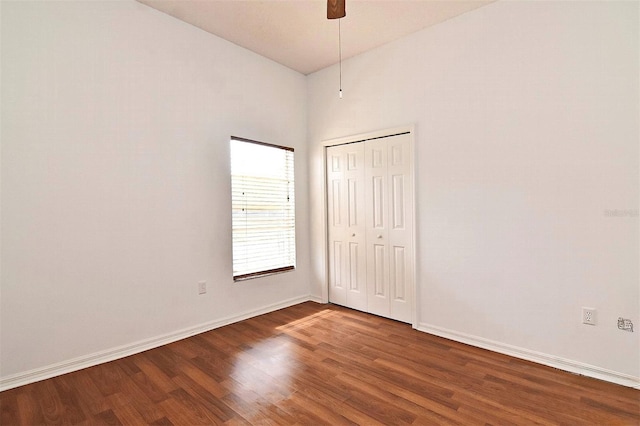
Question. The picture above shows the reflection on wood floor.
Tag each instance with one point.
(318, 364)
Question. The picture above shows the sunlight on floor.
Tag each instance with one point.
(268, 367)
(308, 320)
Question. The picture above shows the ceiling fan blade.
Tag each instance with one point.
(336, 9)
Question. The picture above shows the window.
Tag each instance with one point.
(263, 208)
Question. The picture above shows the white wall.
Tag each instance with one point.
(115, 177)
(527, 131)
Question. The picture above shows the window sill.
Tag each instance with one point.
(261, 274)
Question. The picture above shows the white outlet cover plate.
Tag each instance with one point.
(589, 316)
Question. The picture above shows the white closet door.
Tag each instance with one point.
(400, 227)
(377, 225)
(370, 226)
(389, 207)
(346, 226)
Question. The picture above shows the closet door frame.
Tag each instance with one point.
(410, 130)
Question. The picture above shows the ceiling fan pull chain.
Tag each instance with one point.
(340, 54)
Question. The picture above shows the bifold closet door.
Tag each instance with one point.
(346, 226)
(370, 226)
(389, 227)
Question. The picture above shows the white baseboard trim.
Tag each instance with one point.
(317, 299)
(112, 354)
(538, 357)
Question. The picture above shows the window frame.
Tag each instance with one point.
(271, 271)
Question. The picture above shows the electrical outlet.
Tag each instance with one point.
(625, 324)
(589, 316)
(202, 287)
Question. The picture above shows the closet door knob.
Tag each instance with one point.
(353, 235)
(379, 236)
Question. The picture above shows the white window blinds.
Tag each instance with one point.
(263, 208)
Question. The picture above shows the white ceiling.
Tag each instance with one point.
(297, 33)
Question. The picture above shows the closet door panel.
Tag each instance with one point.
(377, 217)
(336, 226)
(347, 251)
(400, 235)
(356, 262)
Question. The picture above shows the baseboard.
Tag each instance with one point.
(317, 299)
(537, 357)
(112, 354)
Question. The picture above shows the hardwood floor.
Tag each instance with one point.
(319, 364)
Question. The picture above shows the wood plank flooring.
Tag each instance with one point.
(314, 364)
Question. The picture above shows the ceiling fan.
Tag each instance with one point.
(336, 9)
